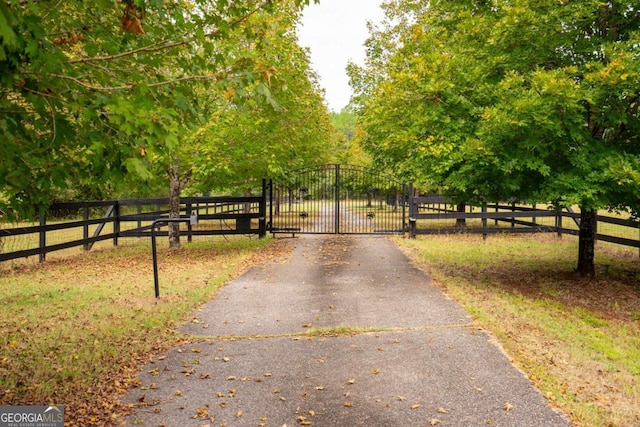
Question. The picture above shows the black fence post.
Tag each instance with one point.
(85, 227)
(189, 234)
(413, 211)
(262, 221)
(116, 222)
(484, 222)
(559, 222)
(42, 256)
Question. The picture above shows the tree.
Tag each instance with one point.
(494, 100)
(243, 142)
(347, 136)
(90, 92)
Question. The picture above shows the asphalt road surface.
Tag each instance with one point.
(343, 331)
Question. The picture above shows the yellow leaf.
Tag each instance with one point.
(434, 422)
(347, 404)
(238, 414)
(416, 406)
(507, 406)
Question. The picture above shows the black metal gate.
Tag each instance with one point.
(338, 199)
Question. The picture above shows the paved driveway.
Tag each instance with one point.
(406, 355)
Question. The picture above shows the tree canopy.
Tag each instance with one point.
(497, 100)
(93, 92)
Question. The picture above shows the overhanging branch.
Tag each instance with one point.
(131, 86)
(169, 44)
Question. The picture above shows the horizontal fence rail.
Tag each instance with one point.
(73, 224)
(435, 214)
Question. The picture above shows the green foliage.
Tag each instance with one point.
(243, 143)
(92, 92)
(348, 136)
(495, 100)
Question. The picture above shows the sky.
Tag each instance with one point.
(335, 32)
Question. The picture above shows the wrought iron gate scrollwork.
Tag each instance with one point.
(338, 199)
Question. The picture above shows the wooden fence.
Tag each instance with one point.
(434, 214)
(74, 224)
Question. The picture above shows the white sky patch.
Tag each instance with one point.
(335, 32)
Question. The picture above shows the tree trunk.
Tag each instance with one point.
(175, 188)
(587, 242)
(461, 208)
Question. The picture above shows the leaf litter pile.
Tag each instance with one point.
(577, 339)
(75, 330)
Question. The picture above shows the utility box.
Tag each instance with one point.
(243, 224)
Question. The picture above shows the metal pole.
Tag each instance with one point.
(192, 220)
(154, 254)
(337, 199)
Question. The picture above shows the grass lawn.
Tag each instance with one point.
(74, 330)
(577, 339)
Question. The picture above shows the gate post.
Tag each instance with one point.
(413, 211)
(262, 220)
(337, 201)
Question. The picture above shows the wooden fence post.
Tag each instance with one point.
(85, 227)
(484, 222)
(116, 222)
(559, 223)
(189, 234)
(262, 220)
(43, 238)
